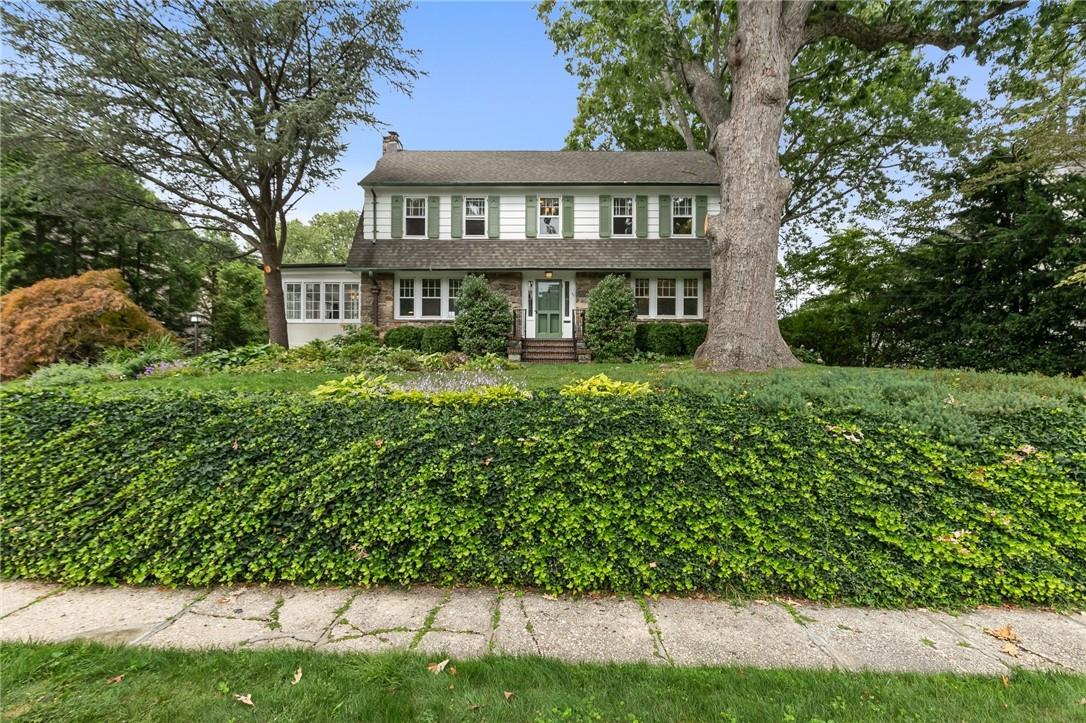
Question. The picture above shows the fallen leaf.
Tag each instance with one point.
(1010, 649)
(116, 678)
(452, 670)
(475, 706)
(508, 694)
(234, 445)
(436, 668)
(246, 699)
(1006, 681)
(297, 677)
(1004, 633)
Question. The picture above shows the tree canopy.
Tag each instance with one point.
(325, 239)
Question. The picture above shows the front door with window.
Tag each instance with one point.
(548, 309)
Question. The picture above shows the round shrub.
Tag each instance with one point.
(483, 318)
(641, 336)
(693, 336)
(665, 337)
(404, 337)
(609, 321)
(438, 339)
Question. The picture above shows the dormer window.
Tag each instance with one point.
(550, 215)
(682, 216)
(414, 217)
(622, 216)
(475, 217)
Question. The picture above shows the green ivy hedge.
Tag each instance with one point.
(671, 492)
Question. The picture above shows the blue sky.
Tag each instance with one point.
(493, 82)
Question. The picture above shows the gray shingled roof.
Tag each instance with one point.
(421, 168)
(495, 254)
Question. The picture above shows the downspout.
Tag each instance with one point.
(375, 288)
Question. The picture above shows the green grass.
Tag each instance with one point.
(70, 682)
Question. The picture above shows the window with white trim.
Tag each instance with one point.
(352, 301)
(668, 297)
(665, 297)
(691, 297)
(475, 216)
(406, 302)
(312, 301)
(454, 293)
(682, 216)
(293, 300)
(550, 215)
(622, 216)
(431, 298)
(331, 302)
(641, 296)
(414, 216)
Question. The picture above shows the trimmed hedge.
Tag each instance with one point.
(665, 337)
(670, 492)
(693, 336)
(438, 339)
(404, 337)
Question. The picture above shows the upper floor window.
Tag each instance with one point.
(550, 215)
(475, 217)
(682, 216)
(622, 217)
(414, 217)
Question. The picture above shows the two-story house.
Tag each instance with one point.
(543, 227)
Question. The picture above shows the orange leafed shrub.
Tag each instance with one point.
(68, 320)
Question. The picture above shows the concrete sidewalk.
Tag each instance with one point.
(471, 622)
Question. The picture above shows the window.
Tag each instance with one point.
(550, 215)
(294, 300)
(407, 297)
(331, 302)
(665, 297)
(454, 294)
(690, 297)
(475, 217)
(431, 297)
(682, 216)
(622, 217)
(641, 295)
(352, 302)
(312, 301)
(414, 215)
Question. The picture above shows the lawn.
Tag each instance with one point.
(77, 681)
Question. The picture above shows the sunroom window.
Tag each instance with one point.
(352, 302)
(312, 301)
(293, 301)
(414, 214)
(331, 302)
(475, 217)
(682, 216)
(622, 217)
(550, 215)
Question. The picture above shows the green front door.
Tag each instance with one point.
(548, 309)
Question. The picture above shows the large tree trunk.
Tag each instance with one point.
(743, 330)
(275, 313)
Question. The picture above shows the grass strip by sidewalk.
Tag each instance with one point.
(80, 681)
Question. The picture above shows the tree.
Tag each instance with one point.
(69, 319)
(483, 319)
(610, 321)
(65, 213)
(754, 69)
(232, 111)
(237, 306)
(326, 239)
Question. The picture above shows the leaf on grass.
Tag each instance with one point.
(1010, 649)
(1004, 633)
(1006, 681)
(508, 694)
(297, 677)
(475, 706)
(436, 668)
(246, 699)
(116, 678)
(452, 670)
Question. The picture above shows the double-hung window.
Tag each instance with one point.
(550, 215)
(427, 297)
(406, 299)
(293, 300)
(682, 216)
(414, 216)
(691, 297)
(454, 294)
(622, 216)
(431, 297)
(641, 296)
(312, 300)
(475, 217)
(665, 297)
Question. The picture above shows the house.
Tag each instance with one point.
(543, 227)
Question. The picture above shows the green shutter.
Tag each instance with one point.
(457, 216)
(641, 219)
(397, 217)
(531, 216)
(433, 216)
(493, 216)
(701, 207)
(665, 216)
(605, 216)
(567, 216)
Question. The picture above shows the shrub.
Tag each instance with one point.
(665, 338)
(156, 349)
(362, 386)
(438, 339)
(404, 337)
(610, 320)
(602, 385)
(71, 319)
(237, 357)
(488, 362)
(66, 374)
(437, 389)
(357, 335)
(668, 492)
(237, 306)
(693, 336)
(483, 318)
(641, 336)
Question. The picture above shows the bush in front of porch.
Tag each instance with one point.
(610, 320)
(483, 318)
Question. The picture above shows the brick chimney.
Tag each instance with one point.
(391, 143)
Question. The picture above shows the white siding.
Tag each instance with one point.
(303, 331)
(586, 222)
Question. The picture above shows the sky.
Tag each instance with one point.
(492, 82)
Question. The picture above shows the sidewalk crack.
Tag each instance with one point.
(170, 620)
(659, 650)
(429, 622)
